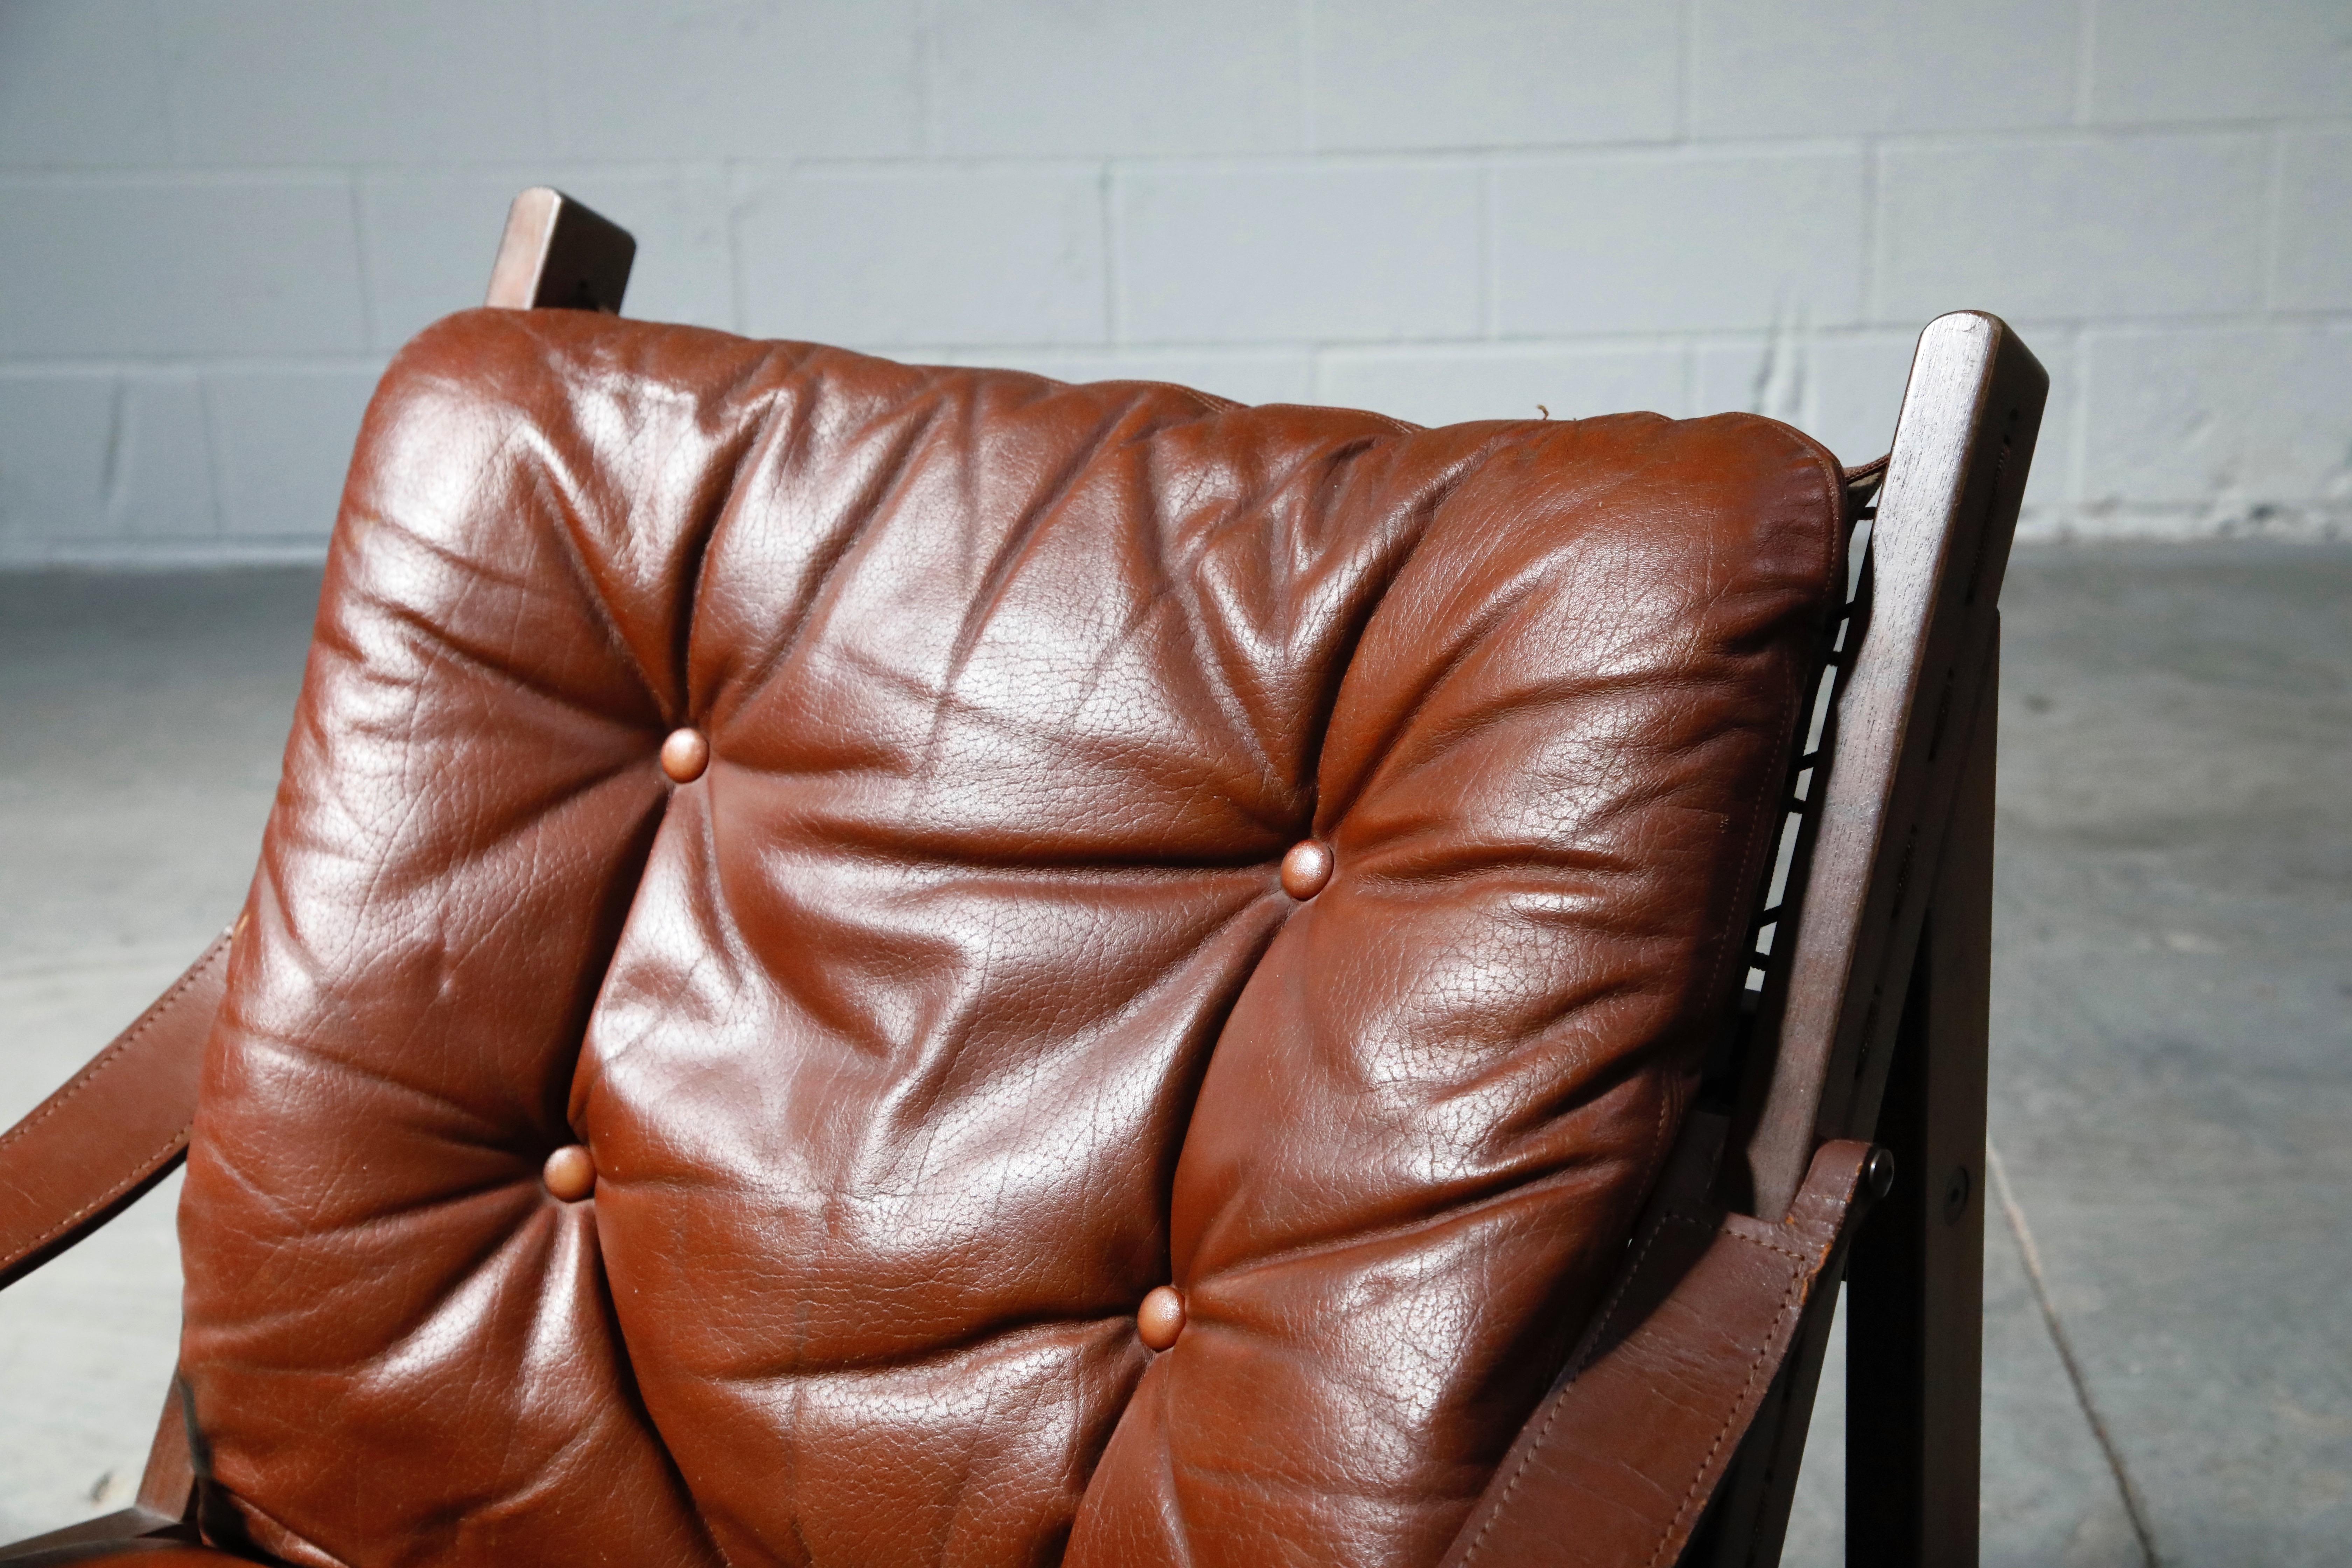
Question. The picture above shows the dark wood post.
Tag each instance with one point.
(559, 255)
(1915, 1282)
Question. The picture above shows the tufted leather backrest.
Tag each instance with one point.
(957, 1002)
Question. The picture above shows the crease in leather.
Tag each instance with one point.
(844, 536)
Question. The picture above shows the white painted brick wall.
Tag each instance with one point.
(2079, 225)
(205, 265)
(1672, 241)
(630, 80)
(1339, 252)
(2157, 60)
(2314, 233)
(1843, 67)
(217, 217)
(1052, 78)
(917, 254)
(1409, 76)
(256, 83)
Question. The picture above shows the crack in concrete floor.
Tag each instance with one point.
(2021, 1234)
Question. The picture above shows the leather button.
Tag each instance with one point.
(1160, 1317)
(1306, 868)
(684, 754)
(569, 1172)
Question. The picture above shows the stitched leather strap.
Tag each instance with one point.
(115, 1130)
(1618, 1463)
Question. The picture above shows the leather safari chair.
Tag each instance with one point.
(866, 964)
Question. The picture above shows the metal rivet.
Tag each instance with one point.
(569, 1172)
(1306, 868)
(684, 754)
(1160, 1317)
(1878, 1173)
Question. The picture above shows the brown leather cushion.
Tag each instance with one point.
(959, 1003)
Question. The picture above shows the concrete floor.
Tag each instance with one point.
(2172, 1012)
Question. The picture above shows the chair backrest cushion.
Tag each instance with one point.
(959, 1003)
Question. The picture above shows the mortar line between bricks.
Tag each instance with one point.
(2077, 415)
(2086, 37)
(927, 108)
(365, 261)
(2274, 220)
(1108, 226)
(2055, 133)
(208, 420)
(738, 291)
(1309, 129)
(35, 172)
(1490, 252)
(542, 25)
(2135, 1509)
(1685, 45)
(19, 365)
(1872, 156)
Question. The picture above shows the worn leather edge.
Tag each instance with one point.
(1615, 1467)
(114, 1130)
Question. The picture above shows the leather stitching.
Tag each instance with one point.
(1543, 1433)
(156, 1013)
(1787, 1252)
(153, 1017)
(146, 1167)
(1790, 1300)
(1609, 1312)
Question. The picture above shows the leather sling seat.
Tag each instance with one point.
(807, 893)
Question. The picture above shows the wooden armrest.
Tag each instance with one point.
(114, 1130)
(1617, 1465)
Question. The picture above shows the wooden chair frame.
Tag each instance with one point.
(1868, 1025)
(1883, 1004)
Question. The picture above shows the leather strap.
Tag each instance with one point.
(114, 1130)
(1617, 1465)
